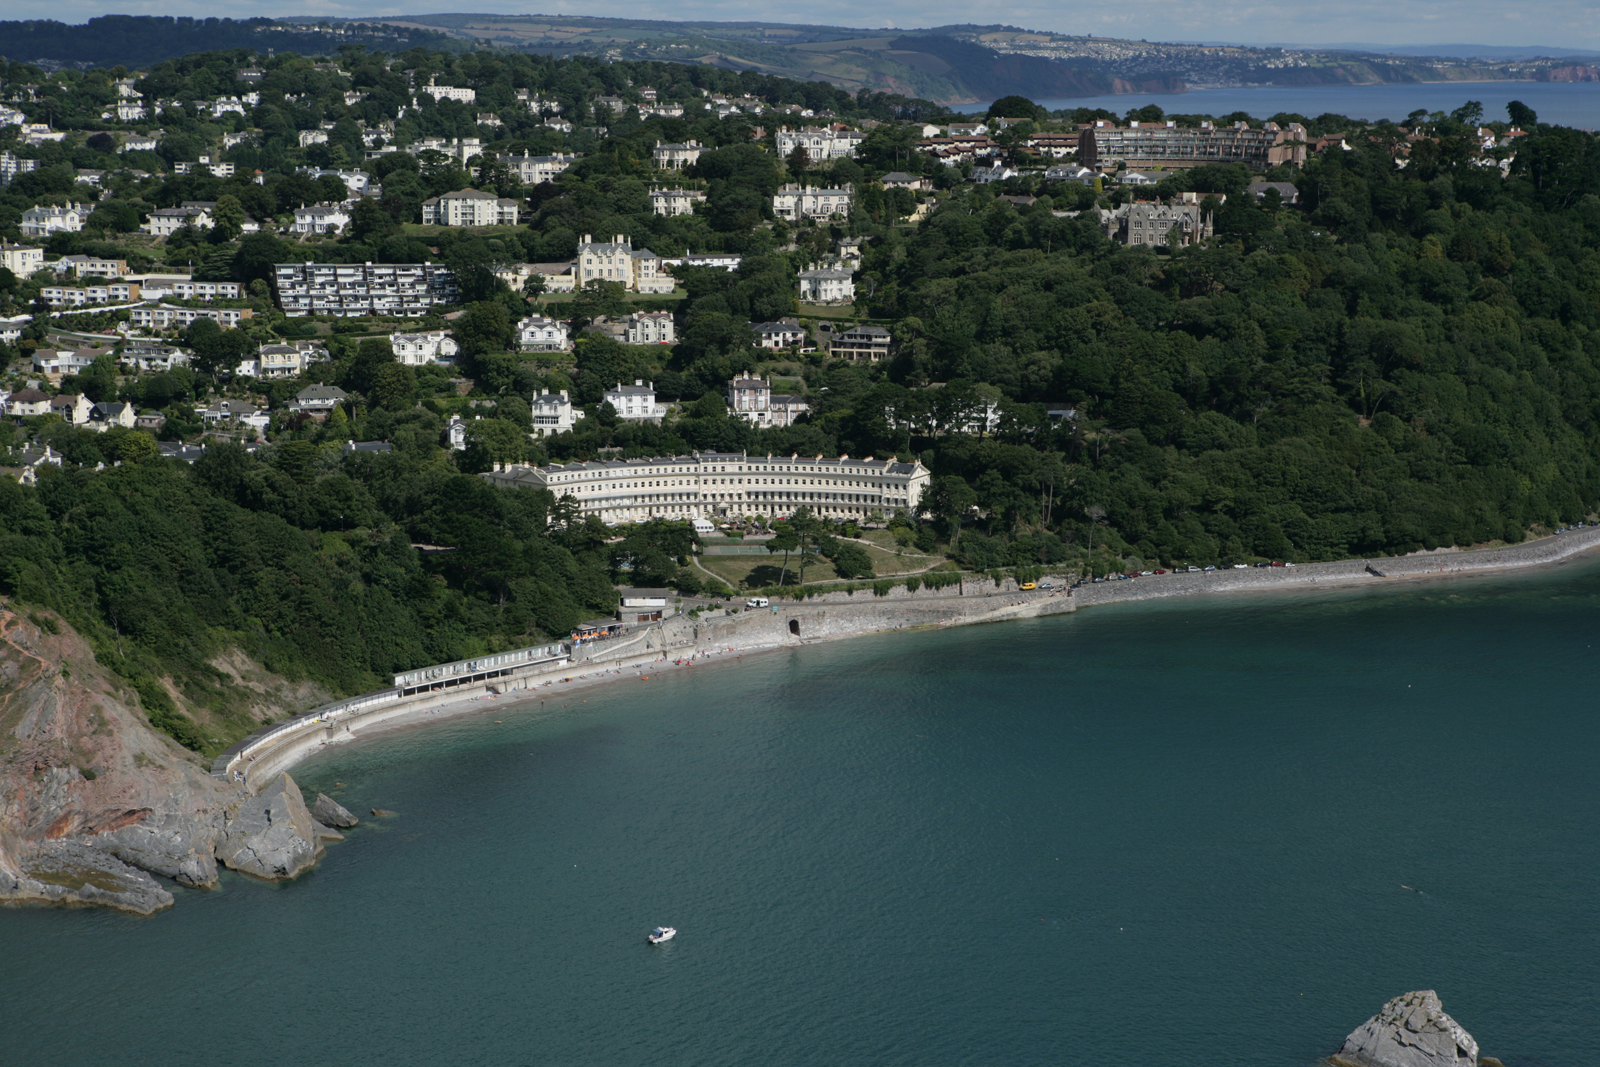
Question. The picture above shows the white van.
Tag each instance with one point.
(757, 602)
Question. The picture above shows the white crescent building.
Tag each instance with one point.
(709, 485)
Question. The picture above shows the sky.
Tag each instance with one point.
(1558, 23)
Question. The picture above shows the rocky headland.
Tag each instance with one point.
(99, 809)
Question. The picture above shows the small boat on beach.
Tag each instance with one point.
(660, 934)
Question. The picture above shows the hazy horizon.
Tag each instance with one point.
(1397, 24)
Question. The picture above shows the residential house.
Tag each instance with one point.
(1154, 223)
(79, 296)
(899, 179)
(822, 144)
(137, 142)
(539, 334)
(721, 260)
(11, 327)
(753, 400)
(536, 170)
(320, 218)
(166, 221)
(1106, 145)
(636, 402)
(553, 413)
(1071, 172)
(796, 202)
(1287, 192)
(650, 328)
(44, 221)
(421, 349)
(827, 287)
(674, 202)
(779, 335)
(639, 270)
(277, 361)
(149, 357)
(469, 207)
(61, 361)
(27, 402)
(33, 461)
(456, 430)
(677, 156)
(104, 416)
(450, 92)
(968, 129)
(311, 137)
(318, 400)
(74, 409)
(90, 266)
(152, 421)
(864, 344)
(994, 172)
(21, 260)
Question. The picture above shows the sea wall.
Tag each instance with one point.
(260, 758)
(1378, 569)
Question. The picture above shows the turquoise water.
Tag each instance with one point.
(1141, 835)
(1566, 104)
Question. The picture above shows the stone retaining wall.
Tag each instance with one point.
(1343, 572)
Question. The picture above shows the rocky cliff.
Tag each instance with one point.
(96, 807)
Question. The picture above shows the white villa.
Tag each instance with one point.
(650, 328)
(636, 402)
(827, 287)
(553, 413)
(674, 202)
(535, 170)
(44, 221)
(677, 156)
(822, 145)
(752, 400)
(421, 349)
(539, 334)
(796, 202)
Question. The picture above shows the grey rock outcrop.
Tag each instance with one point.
(73, 873)
(329, 812)
(175, 845)
(328, 833)
(1412, 1030)
(272, 835)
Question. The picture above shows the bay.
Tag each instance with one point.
(1572, 104)
(1144, 834)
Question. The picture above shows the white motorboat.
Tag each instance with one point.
(660, 934)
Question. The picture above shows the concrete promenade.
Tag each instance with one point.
(258, 759)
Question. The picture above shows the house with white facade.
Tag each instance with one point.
(44, 221)
(753, 400)
(73, 408)
(536, 170)
(450, 92)
(862, 344)
(649, 328)
(822, 144)
(553, 413)
(779, 334)
(639, 270)
(21, 260)
(166, 221)
(104, 416)
(470, 207)
(677, 156)
(405, 290)
(318, 400)
(539, 334)
(797, 202)
(25, 403)
(827, 287)
(320, 218)
(421, 349)
(674, 202)
(636, 402)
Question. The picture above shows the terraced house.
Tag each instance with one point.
(711, 485)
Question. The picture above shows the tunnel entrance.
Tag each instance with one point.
(794, 627)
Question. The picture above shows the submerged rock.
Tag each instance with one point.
(272, 835)
(330, 812)
(1412, 1030)
(327, 833)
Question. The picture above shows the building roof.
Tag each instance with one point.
(367, 446)
(28, 396)
(322, 392)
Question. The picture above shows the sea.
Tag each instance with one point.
(1572, 104)
(1205, 831)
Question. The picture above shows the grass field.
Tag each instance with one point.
(756, 572)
